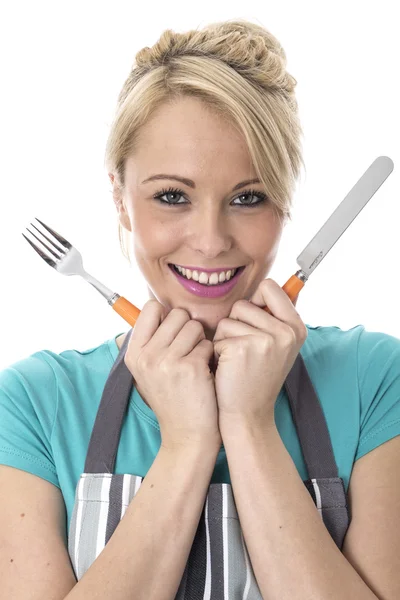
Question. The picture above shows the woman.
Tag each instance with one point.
(111, 489)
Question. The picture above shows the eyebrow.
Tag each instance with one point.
(191, 183)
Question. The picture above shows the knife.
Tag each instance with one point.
(313, 254)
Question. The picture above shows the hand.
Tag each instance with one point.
(255, 352)
(168, 356)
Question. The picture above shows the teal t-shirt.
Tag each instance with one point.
(49, 401)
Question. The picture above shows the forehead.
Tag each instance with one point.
(189, 134)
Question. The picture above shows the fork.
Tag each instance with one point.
(68, 261)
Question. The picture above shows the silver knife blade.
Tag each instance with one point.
(344, 214)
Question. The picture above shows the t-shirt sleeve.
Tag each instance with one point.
(379, 387)
(28, 404)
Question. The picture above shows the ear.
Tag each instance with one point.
(119, 203)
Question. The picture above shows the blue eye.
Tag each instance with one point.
(176, 191)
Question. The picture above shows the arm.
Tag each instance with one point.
(163, 520)
(145, 557)
(292, 553)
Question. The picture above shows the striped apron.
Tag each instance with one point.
(218, 565)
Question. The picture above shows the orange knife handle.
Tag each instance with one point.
(126, 310)
(292, 288)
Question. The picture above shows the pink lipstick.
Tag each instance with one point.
(204, 290)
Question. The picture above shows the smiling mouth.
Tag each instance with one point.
(237, 272)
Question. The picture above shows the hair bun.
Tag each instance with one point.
(246, 47)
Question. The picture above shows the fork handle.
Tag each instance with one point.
(126, 310)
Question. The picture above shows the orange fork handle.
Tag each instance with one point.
(126, 310)
(130, 313)
(292, 288)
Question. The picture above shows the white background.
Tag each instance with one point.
(62, 67)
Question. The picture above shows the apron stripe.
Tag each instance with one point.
(317, 492)
(238, 578)
(103, 514)
(115, 503)
(78, 516)
(126, 489)
(208, 581)
(197, 563)
(225, 542)
(249, 592)
(215, 520)
(89, 545)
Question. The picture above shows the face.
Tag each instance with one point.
(208, 225)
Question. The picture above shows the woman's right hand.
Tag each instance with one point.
(168, 355)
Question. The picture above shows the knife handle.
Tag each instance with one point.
(292, 288)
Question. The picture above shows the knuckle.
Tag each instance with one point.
(191, 366)
(152, 302)
(267, 342)
(241, 304)
(144, 361)
(165, 367)
(208, 345)
(266, 283)
(197, 326)
(303, 332)
(223, 322)
(243, 348)
(288, 337)
(180, 312)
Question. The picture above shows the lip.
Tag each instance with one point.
(208, 291)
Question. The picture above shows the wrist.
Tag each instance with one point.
(233, 427)
(203, 446)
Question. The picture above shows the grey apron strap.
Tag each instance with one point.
(310, 423)
(103, 444)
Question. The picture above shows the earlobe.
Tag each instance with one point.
(122, 214)
(124, 219)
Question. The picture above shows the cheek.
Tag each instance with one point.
(262, 242)
(153, 239)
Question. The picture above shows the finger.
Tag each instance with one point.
(147, 324)
(270, 294)
(187, 339)
(228, 328)
(253, 315)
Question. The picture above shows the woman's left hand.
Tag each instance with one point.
(255, 352)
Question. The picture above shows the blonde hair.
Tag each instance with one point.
(238, 69)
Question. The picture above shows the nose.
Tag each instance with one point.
(210, 233)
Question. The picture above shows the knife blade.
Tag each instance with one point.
(341, 218)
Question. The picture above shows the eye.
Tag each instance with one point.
(178, 192)
(252, 193)
(169, 191)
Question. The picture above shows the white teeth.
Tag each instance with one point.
(206, 278)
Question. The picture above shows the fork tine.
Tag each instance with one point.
(58, 237)
(42, 254)
(51, 250)
(54, 244)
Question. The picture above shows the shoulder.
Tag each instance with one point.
(357, 365)
(365, 346)
(37, 379)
